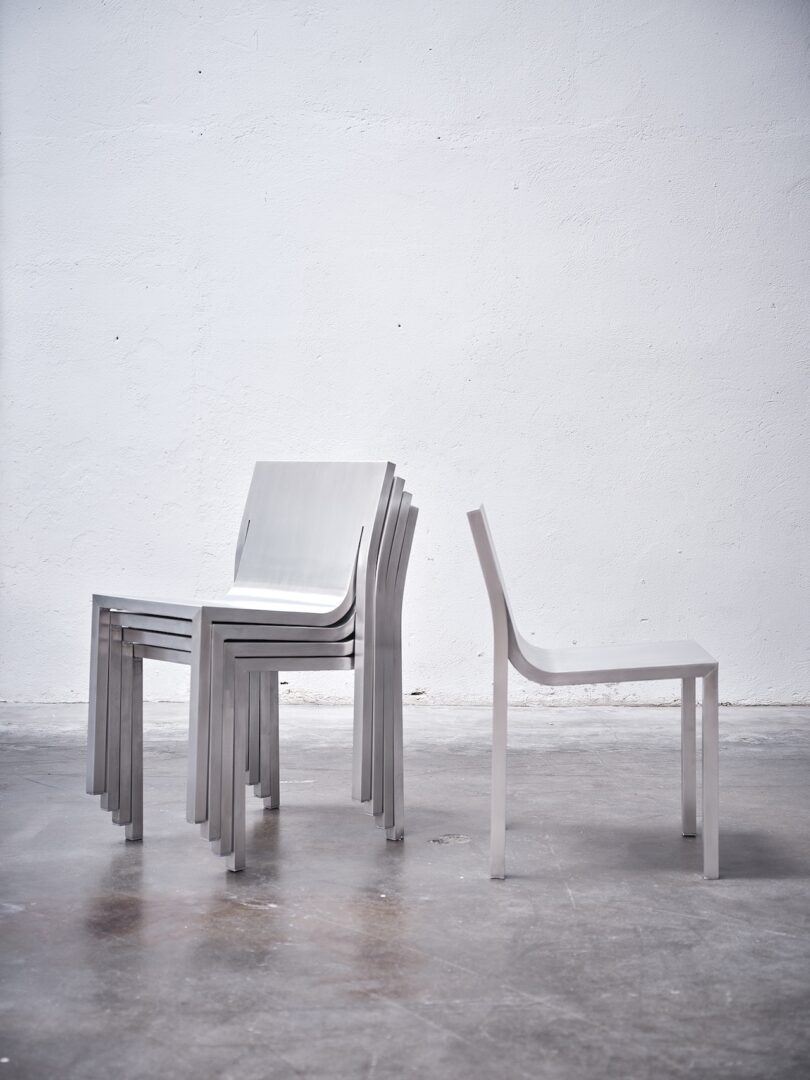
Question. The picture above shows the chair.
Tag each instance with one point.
(241, 662)
(306, 569)
(684, 660)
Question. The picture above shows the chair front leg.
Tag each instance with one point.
(97, 710)
(229, 766)
(711, 777)
(500, 696)
(236, 853)
(211, 827)
(688, 759)
(200, 704)
(109, 800)
(134, 830)
(123, 815)
(363, 719)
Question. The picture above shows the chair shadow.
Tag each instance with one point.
(745, 855)
(758, 855)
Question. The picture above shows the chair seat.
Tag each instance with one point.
(612, 663)
(288, 609)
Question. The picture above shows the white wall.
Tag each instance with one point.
(552, 256)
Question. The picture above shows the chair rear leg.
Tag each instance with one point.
(497, 844)
(397, 829)
(254, 728)
(688, 759)
(711, 777)
(269, 786)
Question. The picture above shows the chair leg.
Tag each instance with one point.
(211, 827)
(361, 744)
(254, 728)
(711, 777)
(230, 766)
(497, 848)
(109, 800)
(397, 829)
(134, 830)
(97, 711)
(386, 819)
(199, 710)
(269, 785)
(123, 815)
(688, 759)
(241, 719)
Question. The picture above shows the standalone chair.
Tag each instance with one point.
(684, 660)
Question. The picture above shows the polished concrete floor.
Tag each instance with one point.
(338, 954)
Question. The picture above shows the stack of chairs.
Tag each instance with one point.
(321, 561)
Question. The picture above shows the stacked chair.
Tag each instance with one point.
(321, 561)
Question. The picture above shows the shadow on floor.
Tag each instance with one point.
(744, 855)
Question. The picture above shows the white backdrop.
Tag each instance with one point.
(551, 256)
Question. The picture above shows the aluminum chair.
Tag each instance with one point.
(161, 630)
(284, 575)
(253, 654)
(241, 662)
(684, 660)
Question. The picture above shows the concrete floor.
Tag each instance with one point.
(337, 954)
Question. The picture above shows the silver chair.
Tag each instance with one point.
(285, 575)
(243, 662)
(311, 597)
(684, 660)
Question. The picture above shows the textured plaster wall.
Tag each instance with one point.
(551, 256)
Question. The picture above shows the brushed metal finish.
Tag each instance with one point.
(134, 828)
(381, 644)
(109, 800)
(388, 661)
(97, 707)
(683, 660)
(296, 604)
(176, 642)
(335, 499)
(268, 787)
(254, 729)
(282, 560)
(711, 776)
(236, 665)
(396, 830)
(161, 624)
(688, 760)
(365, 635)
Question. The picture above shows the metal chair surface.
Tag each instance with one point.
(293, 605)
(684, 660)
(353, 498)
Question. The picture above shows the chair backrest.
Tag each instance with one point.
(491, 568)
(307, 528)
